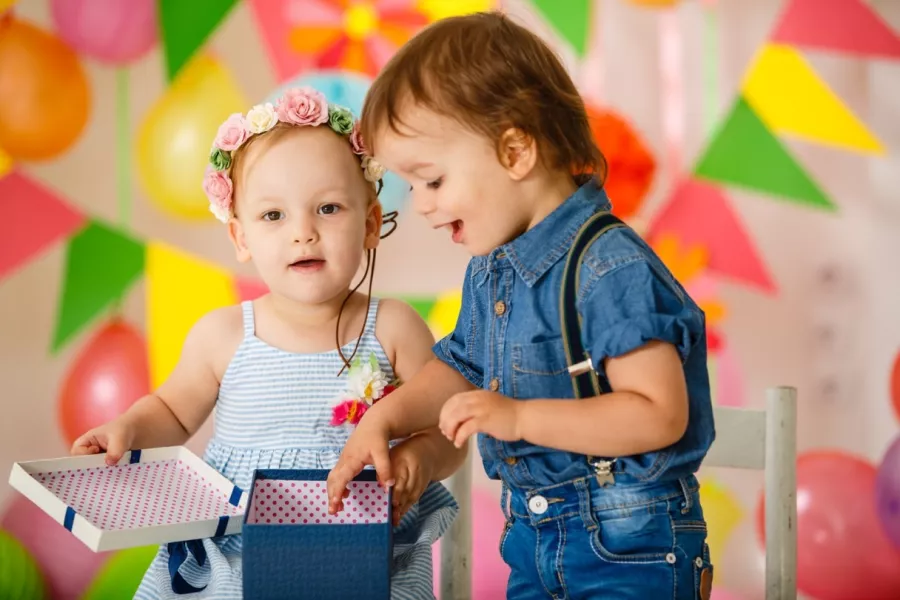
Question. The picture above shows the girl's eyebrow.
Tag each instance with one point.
(416, 166)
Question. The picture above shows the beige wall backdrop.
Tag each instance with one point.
(831, 330)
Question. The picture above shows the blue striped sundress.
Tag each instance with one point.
(274, 412)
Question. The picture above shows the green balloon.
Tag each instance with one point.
(20, 576)
(121, 575)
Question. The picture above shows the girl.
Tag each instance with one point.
(577, 357)
(296, 189)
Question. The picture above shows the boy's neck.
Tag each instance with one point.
(545, 193)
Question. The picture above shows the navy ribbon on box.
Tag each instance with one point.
(179, 551)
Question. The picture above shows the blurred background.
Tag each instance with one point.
(756, 145)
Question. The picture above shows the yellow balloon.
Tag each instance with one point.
(722, 513)
(439, 9)
(174, 140)
(443, 315)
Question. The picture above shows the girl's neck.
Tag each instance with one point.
(306, 316)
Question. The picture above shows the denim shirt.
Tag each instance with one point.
(508, 338)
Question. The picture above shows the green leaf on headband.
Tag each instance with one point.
(340, 119)
(219, 159)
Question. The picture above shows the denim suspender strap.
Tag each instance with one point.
(585, 380)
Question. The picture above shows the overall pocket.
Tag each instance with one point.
(642, 537)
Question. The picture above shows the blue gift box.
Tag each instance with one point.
(292, 547)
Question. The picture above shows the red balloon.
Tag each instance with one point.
(842, 551)
(45, 100)
(107, 377)
(895, 385)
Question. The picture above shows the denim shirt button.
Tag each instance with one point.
(511, 460)
(499, 308)
(494, 385)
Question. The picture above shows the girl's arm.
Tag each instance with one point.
(178, 408)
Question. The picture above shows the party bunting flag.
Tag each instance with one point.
(443, 315)
(423, 305)
(249, 289)
(790, 98)
(698, 214)
(846, 26)
(101, 264)
(744, 153)
(441, 9)
(34, 218)
(185, 27)
(5, 163)
(181, 288)
(571, 20)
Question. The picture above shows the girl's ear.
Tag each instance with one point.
(236, 235)
(374, 220)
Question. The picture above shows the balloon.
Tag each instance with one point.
(67, 564)
(20, 577)
(887, 493)
(349, 89)
(44, 95)
(722, 512)
(173, 141)
(719, 593)
(111, 31)
(489, 572)
(107, 377)
(445, 312)
(895, 385)
(122, 574)
(842, 551)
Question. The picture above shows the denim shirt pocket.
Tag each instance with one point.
(539, 370)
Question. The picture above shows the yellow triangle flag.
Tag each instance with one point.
(6, 163)
(181, 288)
(790, 98)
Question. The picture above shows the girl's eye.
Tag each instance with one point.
(329, 209)
(433, 185)
(272, 215)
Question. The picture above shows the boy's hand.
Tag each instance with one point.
(367, 445)
(412, 462)
(481, 411)
(115, 438)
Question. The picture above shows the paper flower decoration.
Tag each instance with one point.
(631, 165)
(355, 35)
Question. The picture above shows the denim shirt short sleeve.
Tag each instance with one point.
(633, 304)
(460, 348)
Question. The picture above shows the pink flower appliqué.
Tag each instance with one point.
(356, 140)
(218, 188)
(348, 411)
(302, 106)
(232, 133)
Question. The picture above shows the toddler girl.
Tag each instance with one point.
(577, 357)
(296, 189)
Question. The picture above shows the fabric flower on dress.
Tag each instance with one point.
(366, 385)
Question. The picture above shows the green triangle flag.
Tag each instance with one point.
(185, 26)
(744, 153)
(422, 305)
(571, 19)
(101, 264)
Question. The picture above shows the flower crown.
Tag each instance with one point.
(298, 106)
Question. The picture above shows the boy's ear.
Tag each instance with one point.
(518, 153)
(374, 220)
(236, 235)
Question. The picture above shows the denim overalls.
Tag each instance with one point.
(572, 291)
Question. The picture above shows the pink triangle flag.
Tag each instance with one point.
(249, 289)
(699, 214)
(36, 218)
(847, 26)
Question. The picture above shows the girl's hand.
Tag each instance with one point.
(481, 411)
(412, 463)
(115, 438)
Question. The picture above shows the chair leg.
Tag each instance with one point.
(456, 544)
(781, 494)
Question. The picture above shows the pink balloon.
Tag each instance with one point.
(489, 572)
(723, 594)
(111, 31)
(842, 551)
(67, 564)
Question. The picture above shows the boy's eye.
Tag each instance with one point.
(272, 215)
(329, 209)
(433, 185)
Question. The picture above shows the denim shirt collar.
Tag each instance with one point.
(535, 251)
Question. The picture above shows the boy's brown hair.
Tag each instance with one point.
(490, 74)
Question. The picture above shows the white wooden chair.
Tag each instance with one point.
(745, 439)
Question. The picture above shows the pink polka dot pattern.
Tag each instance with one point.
(139, 495)
(306, 503)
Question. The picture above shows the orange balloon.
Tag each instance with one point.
(109, 375)
(44, 95)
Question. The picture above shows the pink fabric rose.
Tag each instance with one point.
(302, 106)
(232, 133)
(356, 140)
(218, 188)
(348, 411)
